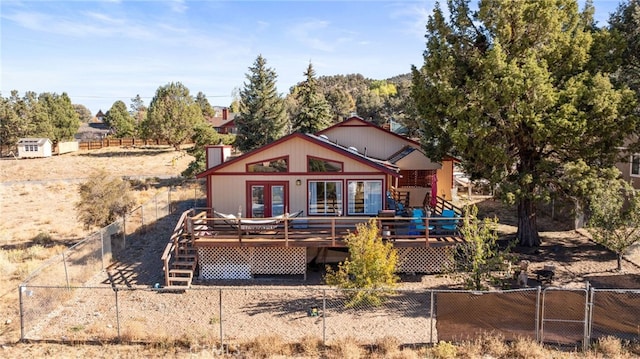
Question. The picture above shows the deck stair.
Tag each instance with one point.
(183, 265)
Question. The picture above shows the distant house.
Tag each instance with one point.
(224, 123)
(34, 147)
(100, 116)
(629, 165)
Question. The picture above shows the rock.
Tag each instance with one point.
(8, 321)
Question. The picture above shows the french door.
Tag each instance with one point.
(267, 199)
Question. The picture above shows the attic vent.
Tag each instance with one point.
(324, 137)
(353, 149)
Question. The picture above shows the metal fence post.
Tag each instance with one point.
(115, 289)
(585, 341)
(591, 304)
(324, 316)
(21, 288)
(66, 274)
(537, 326)
(220, 316)
(431, 308)
(124, 231)
(102, 249)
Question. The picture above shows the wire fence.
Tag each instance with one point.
(226, 317)
(77, 264)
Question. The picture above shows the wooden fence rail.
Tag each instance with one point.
(119, 142)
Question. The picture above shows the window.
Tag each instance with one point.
(273, 165)
(364, 197)
(325, 198)
(416, 178)
(635, 165)
(323, 165)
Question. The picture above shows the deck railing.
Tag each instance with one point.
(318, 231)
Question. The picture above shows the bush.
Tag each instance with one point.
(103, 199)
(369, 271)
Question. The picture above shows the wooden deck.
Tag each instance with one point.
(318, 232)
(197, 230)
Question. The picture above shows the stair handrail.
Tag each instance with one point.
(172, 246)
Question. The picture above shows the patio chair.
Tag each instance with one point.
(448, 225)
(417, 222)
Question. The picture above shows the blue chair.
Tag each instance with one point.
(417, 222)
(448, 225)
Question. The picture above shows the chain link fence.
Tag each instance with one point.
(60, 279)
(227, 317)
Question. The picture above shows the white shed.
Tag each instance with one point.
(34, 147)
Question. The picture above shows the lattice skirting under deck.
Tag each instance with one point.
(245, 262)
(424, 259)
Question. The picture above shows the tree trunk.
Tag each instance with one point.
(527, 225)
(619, 258)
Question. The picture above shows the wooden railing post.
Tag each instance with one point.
(333, 231)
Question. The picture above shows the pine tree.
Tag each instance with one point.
(313, 112)
(262, 114)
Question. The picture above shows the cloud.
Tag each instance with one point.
(178, 6)
(90, 24)
(308, 33)
(413, 16)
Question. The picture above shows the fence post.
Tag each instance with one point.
(585, 341)
(591, 301)
(66, 274)
(155, 199)
(220, 316)
(324, 316)
(169, 201)
(538, 302)
(431, 307)
(115, 289)
(21, 288)
(142, 215)
(124, 231)
(102, 249)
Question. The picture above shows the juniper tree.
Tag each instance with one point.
(510, 90)
(173, 114)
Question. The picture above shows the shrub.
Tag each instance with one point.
(479, 257)
(369, 272)
(103, 199)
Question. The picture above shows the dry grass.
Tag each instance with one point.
(275, 347)
(39, 219)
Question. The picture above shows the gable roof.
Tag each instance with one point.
(33, 141)
(381, 165)
(219, 121)
(359, 121)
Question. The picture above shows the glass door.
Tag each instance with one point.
(267, 199)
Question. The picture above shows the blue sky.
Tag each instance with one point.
(99, 52)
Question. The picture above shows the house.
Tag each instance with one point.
(100, 116)
(629, 164)
(416, 169)
(223, 124)
(34, 147)
(331, 181)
